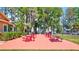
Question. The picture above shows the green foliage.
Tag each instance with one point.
(20, 26)
(48, 16)
(72, 38)
(71, 17)
(10, 35)
(76, 22)
(76, 25)
(76, 11)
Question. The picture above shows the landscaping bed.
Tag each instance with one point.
(10, 35)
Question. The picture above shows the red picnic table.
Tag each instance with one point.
(29, 38)
(53, 38)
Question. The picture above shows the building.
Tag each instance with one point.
(5, 23)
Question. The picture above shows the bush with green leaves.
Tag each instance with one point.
(10, 35)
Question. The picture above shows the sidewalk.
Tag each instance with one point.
(40, 43)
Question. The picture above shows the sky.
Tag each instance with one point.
(61, 18)
(64, 10)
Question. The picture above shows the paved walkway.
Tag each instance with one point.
(40, 43)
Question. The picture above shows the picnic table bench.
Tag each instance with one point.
(29, 38)
(53, 38)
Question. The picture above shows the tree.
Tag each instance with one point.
(76, 23)
(22, 13)
(50, 16)
(27, 16)
(54, 18)
(47, 16)
(69, 18)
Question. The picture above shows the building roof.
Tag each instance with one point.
(5, 20)
(3, 15)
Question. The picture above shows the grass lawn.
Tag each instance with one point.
(72, 38)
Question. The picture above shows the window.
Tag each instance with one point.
(5, 28)
(9, 28)
(15, 29)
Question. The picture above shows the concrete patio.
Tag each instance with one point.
(41, 43)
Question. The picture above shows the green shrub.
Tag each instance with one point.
(10, 35)
(1, 36)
